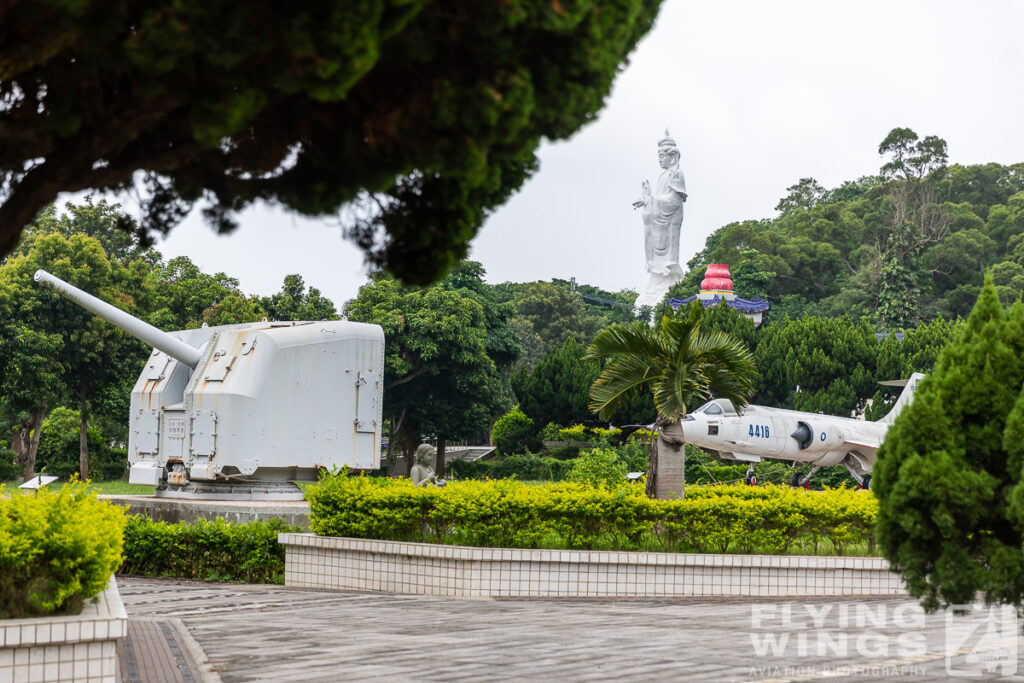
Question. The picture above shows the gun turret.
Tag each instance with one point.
(242, 411)
(172, 346)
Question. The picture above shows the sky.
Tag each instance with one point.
(757, 95)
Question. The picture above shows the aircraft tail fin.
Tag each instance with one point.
(909, 387)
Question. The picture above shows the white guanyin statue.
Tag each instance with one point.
(662, 213)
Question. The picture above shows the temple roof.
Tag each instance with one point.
(742, 305)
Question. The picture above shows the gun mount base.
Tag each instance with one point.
(231, 490)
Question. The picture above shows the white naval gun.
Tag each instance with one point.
(242, 411)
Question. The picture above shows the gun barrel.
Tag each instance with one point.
(172, 346)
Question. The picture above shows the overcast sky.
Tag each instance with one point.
(756, 94)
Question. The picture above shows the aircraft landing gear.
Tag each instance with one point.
(855, 465)
(750, 479)
(805, 479)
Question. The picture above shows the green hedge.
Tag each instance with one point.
(9, 471)
(569, 515)
(521, 467)
(59, 449)
(632, 456)
(114, 468)
(58, 548)
(207, 551)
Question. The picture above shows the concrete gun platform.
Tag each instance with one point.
(238, 511)
(274, 633)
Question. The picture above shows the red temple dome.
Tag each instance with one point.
(717, 278)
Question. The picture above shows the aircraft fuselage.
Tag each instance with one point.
(762, 432)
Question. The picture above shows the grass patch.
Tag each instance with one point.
(102, 488)
(121, 488)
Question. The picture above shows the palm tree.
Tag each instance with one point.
(682, 364)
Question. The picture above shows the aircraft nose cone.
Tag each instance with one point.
(686, 426)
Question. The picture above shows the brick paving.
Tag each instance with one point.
(275, 633)
(154, 650)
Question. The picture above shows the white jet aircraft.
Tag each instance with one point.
(760, 432)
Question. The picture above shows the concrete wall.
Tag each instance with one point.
(425, 569)
(176, 510)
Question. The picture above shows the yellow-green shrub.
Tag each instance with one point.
(57, 549)
(574, 433)
(598, 467)
(723, 518)
(580, 432)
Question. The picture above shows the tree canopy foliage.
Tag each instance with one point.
(420, 116)
(448, 353)
(557, 390)
(548, 313)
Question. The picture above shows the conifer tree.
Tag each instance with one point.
(558, 389)
(948, 474)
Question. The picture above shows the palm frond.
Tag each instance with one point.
(616, 382)
(681, 362)
(675, 389)
(621, 338)
(729, 367)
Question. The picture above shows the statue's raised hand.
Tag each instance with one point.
(645, 188)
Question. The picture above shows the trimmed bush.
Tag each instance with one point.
(513, 433)
(58, 548)
(550, 432)
(529, 468)
(470, 469)
(702, 469)
(766, 519)
(204, 550)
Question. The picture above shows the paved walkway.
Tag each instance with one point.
(284, 634)
(161, 649)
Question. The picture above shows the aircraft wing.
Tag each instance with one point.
(864, 445)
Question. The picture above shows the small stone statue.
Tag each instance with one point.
(422, 473)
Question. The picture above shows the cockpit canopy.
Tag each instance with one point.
(719, 406)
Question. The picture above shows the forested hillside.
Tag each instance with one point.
(908, 245)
